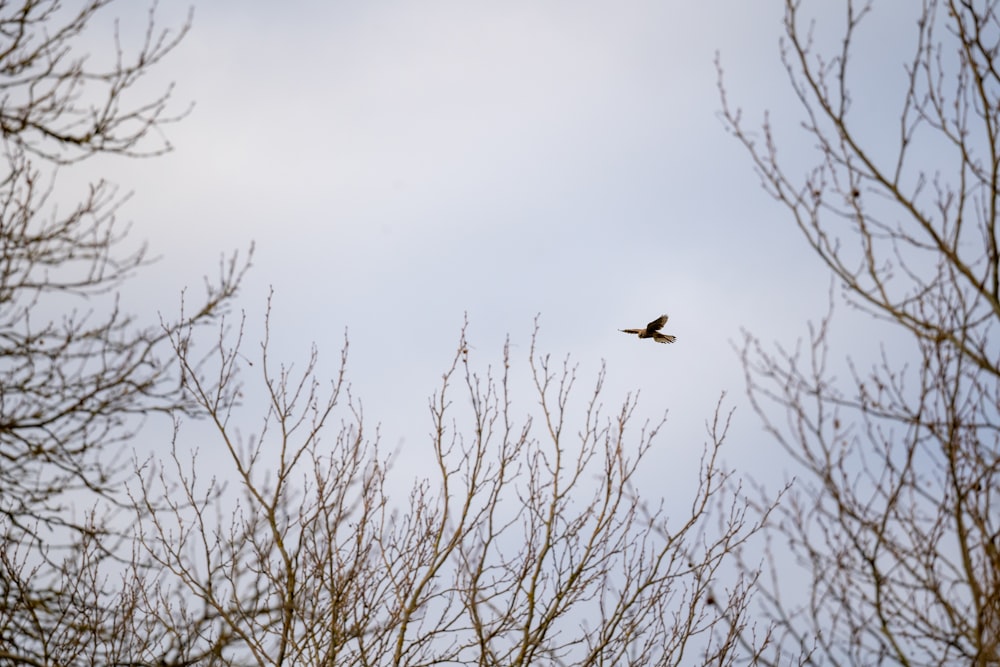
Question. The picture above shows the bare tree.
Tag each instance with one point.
(78, 372)
(527, 546)
(897, 521)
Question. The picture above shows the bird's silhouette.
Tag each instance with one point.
(652, 330)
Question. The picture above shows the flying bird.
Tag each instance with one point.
(652, 330)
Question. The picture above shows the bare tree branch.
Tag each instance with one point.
(895, 522)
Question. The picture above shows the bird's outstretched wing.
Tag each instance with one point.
(657, 324)
(664, 338)
(632, 331)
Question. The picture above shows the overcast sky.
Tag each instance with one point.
(401, 164)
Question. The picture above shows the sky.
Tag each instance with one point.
(402, 166)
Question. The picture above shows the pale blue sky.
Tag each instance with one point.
(400, 164)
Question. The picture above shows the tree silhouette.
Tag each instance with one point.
(895, 523)
(78, 371)
(527, 546)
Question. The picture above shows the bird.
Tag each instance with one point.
(652, 330)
